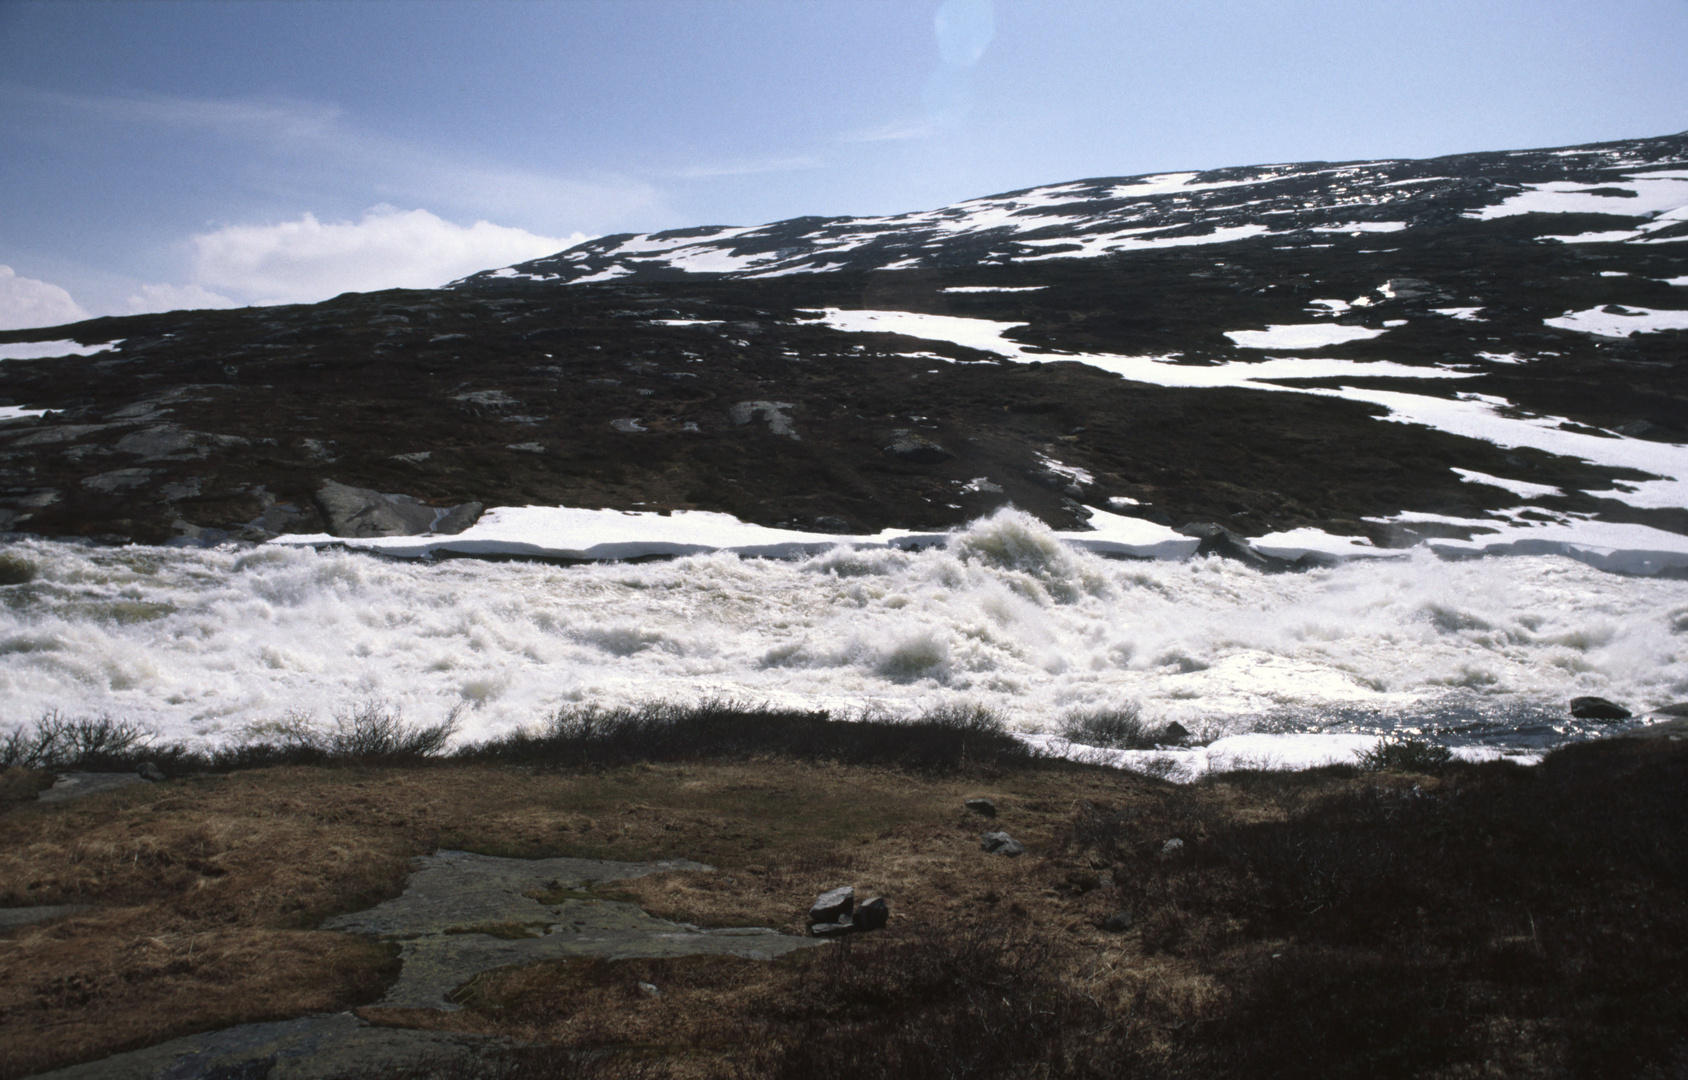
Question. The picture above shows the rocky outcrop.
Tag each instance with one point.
(770, 412)
(907, 445)
(362, 512)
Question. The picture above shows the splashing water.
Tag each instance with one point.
(201, 644)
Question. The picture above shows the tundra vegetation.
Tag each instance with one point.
(1408, 915)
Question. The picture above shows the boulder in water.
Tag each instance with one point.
(1598, 708)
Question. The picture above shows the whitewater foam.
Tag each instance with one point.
(200, 644)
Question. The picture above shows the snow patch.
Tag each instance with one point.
(1615, 321)
(43, 350)
(1300, 336)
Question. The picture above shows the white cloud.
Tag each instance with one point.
(26, 302)
(308, 260)
(175, 298)
(321, 151)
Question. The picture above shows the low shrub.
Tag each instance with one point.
(594, 737)
(1119, 727)
(371, 733)
(1406, 755)
(60, 742)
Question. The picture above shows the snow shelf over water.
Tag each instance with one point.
(568, 533)
(556, 532)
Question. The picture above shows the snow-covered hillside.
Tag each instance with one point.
(1633, 191)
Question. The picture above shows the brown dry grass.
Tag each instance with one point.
(206, 889)
(1249, 952)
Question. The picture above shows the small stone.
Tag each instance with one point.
(148, 771)
(872, 915)
(649, 988)
(981, 806)
(834, 929)
(1598, 708)
(1175, 732)
(1000, 843)
(1174, 846)
(831, 906)
(1118, 922)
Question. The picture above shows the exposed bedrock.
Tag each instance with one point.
(364, 512)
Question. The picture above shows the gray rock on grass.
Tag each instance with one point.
(844, 925)
(983, 807)
(833, 905)
(75, 785)
(1000, 843)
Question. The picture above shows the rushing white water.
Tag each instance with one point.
(200, 644)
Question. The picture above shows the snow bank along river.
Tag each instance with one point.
(1481, 653)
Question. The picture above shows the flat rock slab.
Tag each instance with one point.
(12, 918)
(462, 914)
(77, 784)
(309, 1048)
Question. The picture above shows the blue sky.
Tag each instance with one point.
(165, 154)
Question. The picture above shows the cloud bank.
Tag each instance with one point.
(26, 302)
(175, 298)
(307, 260)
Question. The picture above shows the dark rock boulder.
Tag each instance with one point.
(362, 512)
(1218, 540)
(872, 915)
(148, 771)
(981, 806)
(1598, 708)
(1117, 923)
(1679, 708)
(1054, 480)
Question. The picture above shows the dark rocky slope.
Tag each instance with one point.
(532, 386)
